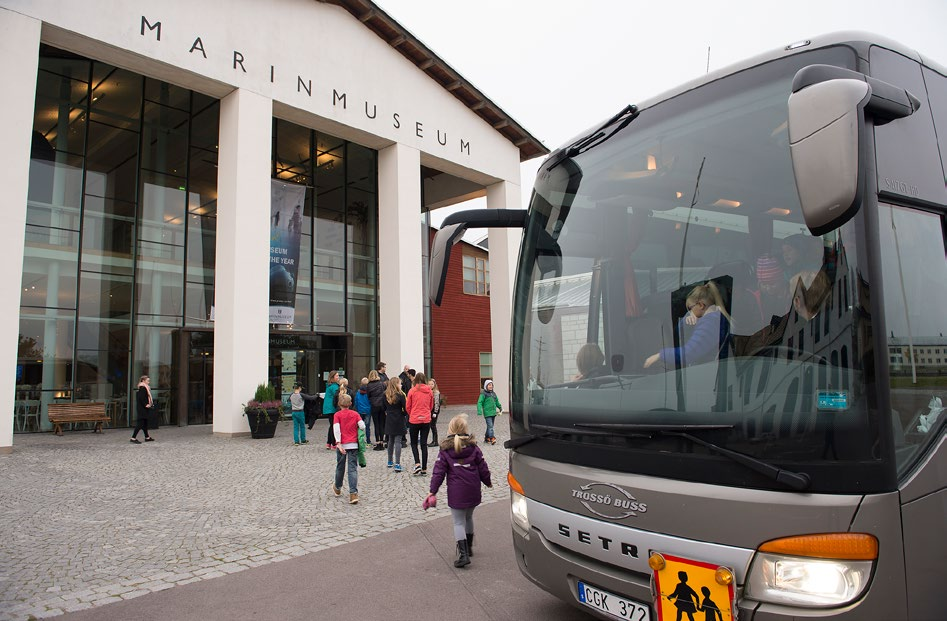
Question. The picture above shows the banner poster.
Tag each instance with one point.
(286, 220)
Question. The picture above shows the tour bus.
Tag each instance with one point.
(728, 355)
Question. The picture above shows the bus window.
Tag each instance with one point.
(915, 282)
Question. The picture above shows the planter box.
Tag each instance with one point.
(263, 425)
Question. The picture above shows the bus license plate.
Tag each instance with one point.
(612, 604)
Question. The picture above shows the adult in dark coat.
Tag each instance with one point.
(376, 397)
(382, 367)
(144, 406)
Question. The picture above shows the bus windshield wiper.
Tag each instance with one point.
(545, 431)
(796, 480)
(627, 114)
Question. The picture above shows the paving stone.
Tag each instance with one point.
(80, 529)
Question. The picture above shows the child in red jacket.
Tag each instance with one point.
(346, 424)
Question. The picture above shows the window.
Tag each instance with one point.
(913, 296)
(486, 365)
(476, 275)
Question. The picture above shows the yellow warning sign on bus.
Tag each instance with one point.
(693, 591)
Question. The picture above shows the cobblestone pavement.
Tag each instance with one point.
(89, 519)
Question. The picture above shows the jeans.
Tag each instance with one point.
(367, 419)
(490, 426)
(299, 426)
(416, 429)
(351, 457)
(394, 445)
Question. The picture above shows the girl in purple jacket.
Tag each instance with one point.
(461, 462)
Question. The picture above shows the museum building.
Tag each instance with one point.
(221, 195)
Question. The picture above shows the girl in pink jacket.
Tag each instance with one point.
(419, 406)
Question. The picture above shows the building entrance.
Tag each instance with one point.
(294, 358)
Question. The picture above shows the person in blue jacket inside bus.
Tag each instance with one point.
(711, 330)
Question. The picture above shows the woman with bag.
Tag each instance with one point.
(144, 407)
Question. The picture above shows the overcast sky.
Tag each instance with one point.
(559, 68)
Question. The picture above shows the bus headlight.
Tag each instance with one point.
(518, 511)
(816, 571)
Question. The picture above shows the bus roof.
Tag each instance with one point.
(859, 41)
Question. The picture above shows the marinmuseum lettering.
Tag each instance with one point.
(304, 85)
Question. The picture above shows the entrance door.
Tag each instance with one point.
(200, 381)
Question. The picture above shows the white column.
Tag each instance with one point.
(19, 49)
(399, 258)
(242, 282)
(504, 248)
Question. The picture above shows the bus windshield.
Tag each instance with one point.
(669, 283)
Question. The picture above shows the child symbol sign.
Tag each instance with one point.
(688, 590)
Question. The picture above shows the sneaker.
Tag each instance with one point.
(423, 473)
(149, 439)
(295, 443)
(397, 467)
(432, 444)
(135, 441)
(305, 442)
(336, 490)
(390, 465)
(353, 499)
(417, 470)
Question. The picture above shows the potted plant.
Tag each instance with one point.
(263, 412)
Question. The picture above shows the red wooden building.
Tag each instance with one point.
(460, 326)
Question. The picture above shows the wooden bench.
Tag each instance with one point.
(62, 413)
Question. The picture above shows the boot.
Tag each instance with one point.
(433, 441)
(469, 544)
(463, 559)
(353, 500)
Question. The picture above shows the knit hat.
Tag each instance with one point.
(768, 270)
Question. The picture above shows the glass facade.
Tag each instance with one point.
(121, 236)
(337, 284)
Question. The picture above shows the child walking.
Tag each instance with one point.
(461, 462)
(297, 401)
(435, 411)
(364, 408)
(395, 417)
(488, 406)
(420, 404)
(347, 422)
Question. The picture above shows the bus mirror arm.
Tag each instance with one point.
(453, 229)
(827, 137)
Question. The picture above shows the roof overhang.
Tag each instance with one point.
(398, 37)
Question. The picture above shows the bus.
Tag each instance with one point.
(728, 363)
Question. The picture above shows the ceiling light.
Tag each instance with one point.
(778, 211)
(723, 202)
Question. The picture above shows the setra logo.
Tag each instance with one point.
(609, 501)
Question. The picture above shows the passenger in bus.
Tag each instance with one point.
(808, 292)
(711, 334)
(801, 252)
(590, 361)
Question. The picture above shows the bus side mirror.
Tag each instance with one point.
(827, 111)
(826, 131)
